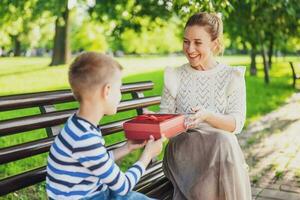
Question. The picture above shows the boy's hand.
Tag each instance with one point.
(133, 144)
(154, 147)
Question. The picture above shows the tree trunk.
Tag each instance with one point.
(253, 69)
(270, 51)
(17, 45)
(61, 50)
(266, 66)
(245, 50)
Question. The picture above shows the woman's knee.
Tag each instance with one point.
(225, 141)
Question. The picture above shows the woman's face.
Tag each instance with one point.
(198, 46)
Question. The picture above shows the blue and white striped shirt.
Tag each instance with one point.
(79, 165)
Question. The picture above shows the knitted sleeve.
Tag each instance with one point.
(169, 91)
(236, 98)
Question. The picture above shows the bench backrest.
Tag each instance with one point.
(51, 119)
(293, 69)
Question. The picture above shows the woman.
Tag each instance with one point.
(206, 162)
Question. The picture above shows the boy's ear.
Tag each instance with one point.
(106, 91)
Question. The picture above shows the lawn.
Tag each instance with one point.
(24, 75)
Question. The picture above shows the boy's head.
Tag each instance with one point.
(95, 76)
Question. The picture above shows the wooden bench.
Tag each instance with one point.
(295, 75)
(153, 183)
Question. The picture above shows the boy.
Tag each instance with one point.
(79, 166)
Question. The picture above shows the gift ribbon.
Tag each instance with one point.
(153, 117)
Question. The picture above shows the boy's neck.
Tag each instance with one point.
(90, 112)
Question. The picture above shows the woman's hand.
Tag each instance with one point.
(133, 144)
(201, 114)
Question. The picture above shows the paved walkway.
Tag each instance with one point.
(272, 149)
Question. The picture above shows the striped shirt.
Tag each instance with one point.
(79, 165)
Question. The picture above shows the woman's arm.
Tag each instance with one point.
(233, 120)
(224, 122)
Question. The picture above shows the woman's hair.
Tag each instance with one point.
(213, 24)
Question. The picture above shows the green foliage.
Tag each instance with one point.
(260, 22)
(117, 23)
(152, 39)
(20, 21)
(89, 36)
(135, 19)
(5, 40)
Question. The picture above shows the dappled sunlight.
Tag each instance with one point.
(274, 156)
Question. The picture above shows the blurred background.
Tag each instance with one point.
(39, 38)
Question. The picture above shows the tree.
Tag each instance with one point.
(262, 24)
(241, 24)
(16, 19)
(123, 15)
(88, 35)
(129, 15)
(60, 10)
(61, 49)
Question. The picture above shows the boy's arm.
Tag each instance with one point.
(94, 156)
(128, 147)
(120, 152)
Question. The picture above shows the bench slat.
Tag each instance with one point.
(23, 180)
(147, 182)
(159, 189)
(22, 124)
(53, 97)
(155, 169)
(28, 149)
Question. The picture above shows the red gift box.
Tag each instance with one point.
(141, 127)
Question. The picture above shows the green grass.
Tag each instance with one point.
(24, 75)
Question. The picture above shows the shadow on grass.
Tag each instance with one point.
(25, 71)
(275, 127)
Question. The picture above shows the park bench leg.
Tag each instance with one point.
(54, 130)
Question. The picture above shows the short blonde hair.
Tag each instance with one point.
(91, 69)
(213, 24)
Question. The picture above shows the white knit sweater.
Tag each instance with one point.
(219, 90)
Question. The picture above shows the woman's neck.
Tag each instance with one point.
(206, 66)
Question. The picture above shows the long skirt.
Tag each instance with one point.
(207, 164)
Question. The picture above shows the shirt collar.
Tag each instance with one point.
(86, 123)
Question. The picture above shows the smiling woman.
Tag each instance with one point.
(216, 94)
(202, 41)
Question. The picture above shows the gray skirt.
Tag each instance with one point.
(207, 164)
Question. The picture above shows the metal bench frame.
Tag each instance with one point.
(295, 75)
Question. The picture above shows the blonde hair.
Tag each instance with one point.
(213, 24)
(91, 69)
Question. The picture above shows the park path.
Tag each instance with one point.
(271, 146)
